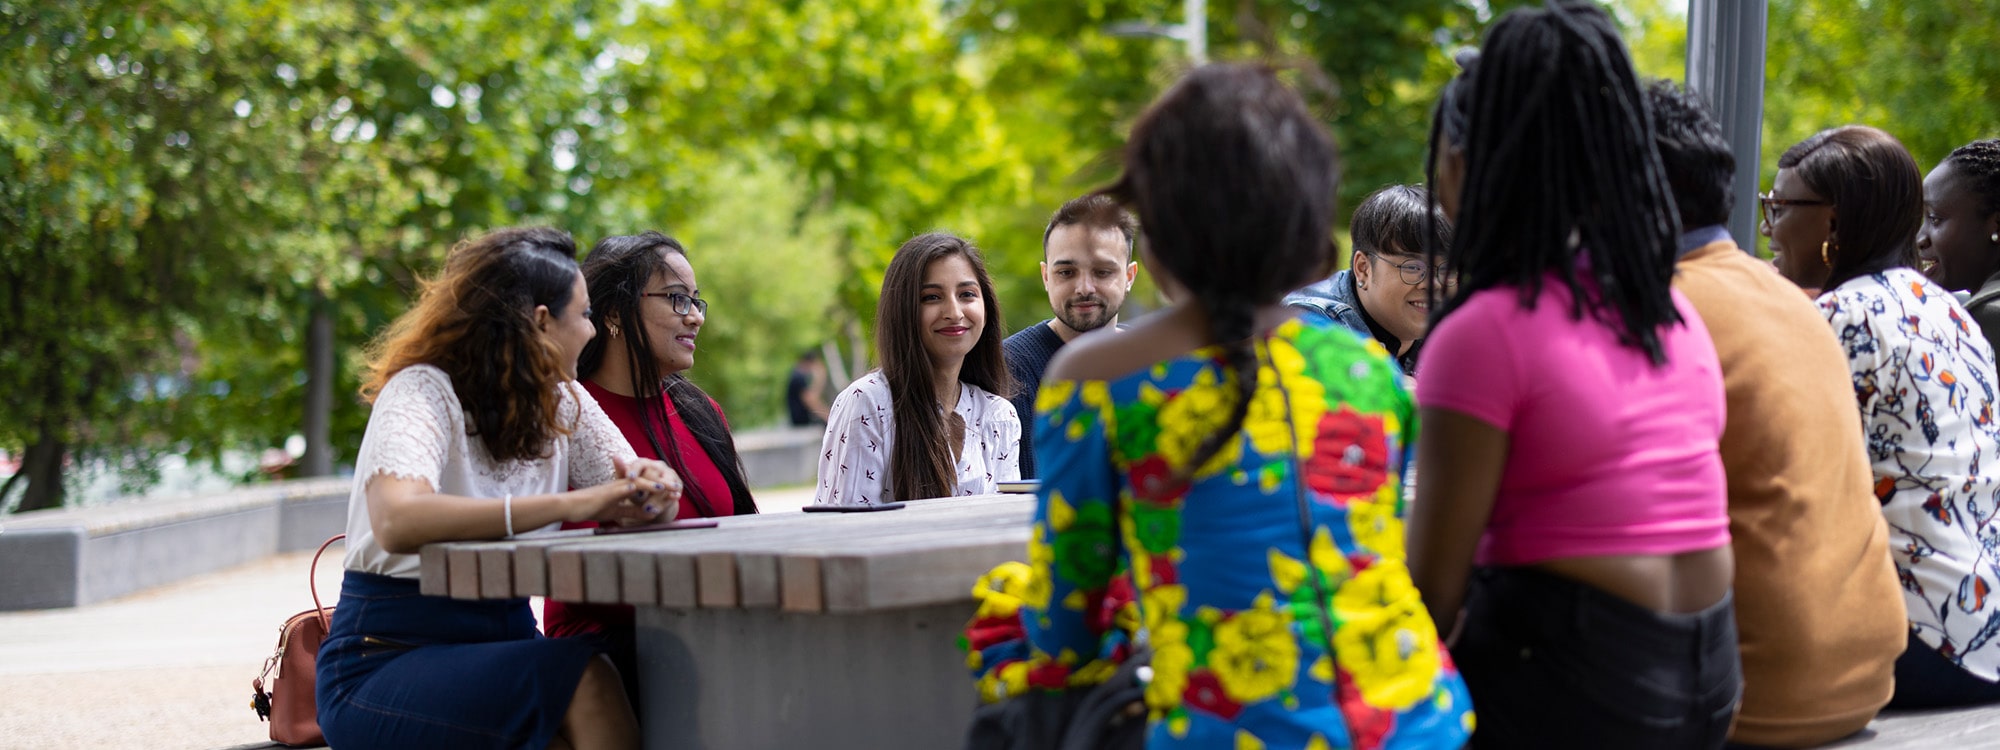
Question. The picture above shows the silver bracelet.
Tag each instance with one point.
(508, 504)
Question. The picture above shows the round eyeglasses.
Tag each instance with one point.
(1413, 272)
(682, 303)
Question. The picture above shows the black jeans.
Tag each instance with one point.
(1925, 679)
(1555, 663)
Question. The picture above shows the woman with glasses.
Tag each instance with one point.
(928, 424)
(1580, 540)
(1386, 293)
(649, 311)
(1843, 215)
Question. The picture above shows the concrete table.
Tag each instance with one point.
(783, 630)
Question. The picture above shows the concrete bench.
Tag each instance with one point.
(75, 556)
(780, 457)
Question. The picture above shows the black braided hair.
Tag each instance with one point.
(1978, 163)
(1234, 181)
(1560, 169)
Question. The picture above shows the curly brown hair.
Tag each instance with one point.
(476, 322)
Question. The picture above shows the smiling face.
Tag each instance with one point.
(570, 328)
(1955, 243)
(672, 334)
(1399, 306)
(1086, 273)
(1797, 232)
(950, 309)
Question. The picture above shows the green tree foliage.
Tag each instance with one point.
(1921, 71)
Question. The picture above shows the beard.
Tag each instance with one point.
(1087, 321)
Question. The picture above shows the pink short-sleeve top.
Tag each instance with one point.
(1608, 453)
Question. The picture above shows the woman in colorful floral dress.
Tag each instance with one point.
(1171, 456)
(1842, 215)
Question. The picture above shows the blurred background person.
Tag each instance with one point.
(803, 403)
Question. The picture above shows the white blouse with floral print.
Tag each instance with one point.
(860, 428)
(1925, 382)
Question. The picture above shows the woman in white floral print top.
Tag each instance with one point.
(1842, 215)
(935, 420)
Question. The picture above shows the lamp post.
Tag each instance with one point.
(1192, 31)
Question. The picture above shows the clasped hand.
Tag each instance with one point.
(642, 491)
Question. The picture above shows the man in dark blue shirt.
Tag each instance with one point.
(1087, 269)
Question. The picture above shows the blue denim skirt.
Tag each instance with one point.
(403, 670)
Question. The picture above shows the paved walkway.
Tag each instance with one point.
(170, 667)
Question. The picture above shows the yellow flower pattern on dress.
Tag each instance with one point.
(1386, 640)
(1255, 655)
(1255, 631)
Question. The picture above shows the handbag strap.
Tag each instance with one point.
(1299, 496)
(312, 581)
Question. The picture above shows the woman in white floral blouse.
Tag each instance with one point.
(935, 420)
(1842, 216)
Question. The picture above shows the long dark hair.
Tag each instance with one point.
(920, 463)
(618, 270)
(1877, 195)
(476, 322)
(1234, 181)
(1559, 167)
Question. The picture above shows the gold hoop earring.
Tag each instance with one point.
(1823, 245)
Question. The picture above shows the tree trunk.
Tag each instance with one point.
(41, 465)
(318, 460)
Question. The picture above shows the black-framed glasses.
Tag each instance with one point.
(1413, 272)
(681, 302)
(1765, 201)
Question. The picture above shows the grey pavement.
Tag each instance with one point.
(169, 667)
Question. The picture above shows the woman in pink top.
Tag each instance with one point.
(1571, 518)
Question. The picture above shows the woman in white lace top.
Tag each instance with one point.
(935, 420)
(478, 432)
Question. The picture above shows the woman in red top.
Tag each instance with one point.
(648, 312)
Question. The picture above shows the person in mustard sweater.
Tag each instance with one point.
(1819, 617)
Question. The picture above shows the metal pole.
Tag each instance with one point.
(1195, 25)
(1725, 64)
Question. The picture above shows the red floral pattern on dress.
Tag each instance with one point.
(1350, 455)
(1154, 482)
(1205, 693)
